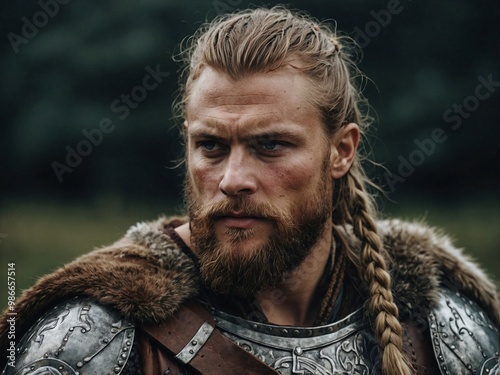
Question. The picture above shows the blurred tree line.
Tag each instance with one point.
(81, 119)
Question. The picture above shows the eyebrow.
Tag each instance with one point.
(262, 135)
(206, 131)
(204, 134)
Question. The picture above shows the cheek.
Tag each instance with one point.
(203, 178)
(293, 177)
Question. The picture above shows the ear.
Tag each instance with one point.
(343, 149)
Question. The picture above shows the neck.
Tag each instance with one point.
(292, 302)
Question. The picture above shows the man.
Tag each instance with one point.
(280, 266)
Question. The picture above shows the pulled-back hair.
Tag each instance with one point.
(262, 40)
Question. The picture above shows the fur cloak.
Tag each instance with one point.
(146, 276)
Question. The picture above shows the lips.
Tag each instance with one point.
(239, 220)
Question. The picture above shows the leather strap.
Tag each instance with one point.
(189, 335)
(418, 349)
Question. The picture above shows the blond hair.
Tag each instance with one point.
(261, 40)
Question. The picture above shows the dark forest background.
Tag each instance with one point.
(67, 68)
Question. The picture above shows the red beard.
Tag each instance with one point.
(295, 231)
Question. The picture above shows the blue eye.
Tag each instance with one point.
(209, 145)
(272, 145)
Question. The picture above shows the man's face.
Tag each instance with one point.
(258, 187)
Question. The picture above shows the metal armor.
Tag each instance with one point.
(83, 337)
(464, 339)
(341, 348)
(77, 337)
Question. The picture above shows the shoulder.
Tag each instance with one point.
(78, 336)
(463, 336)
(145, 276)
(422, 259)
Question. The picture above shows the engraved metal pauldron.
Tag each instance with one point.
(76, 337)
(464, 338)
(341, 348)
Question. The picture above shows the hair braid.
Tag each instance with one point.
(381, 306)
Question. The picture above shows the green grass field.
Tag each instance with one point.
(39, 237)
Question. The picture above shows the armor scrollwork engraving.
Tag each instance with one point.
(342, 348)
(463, 336)
(77, 337)
(51, 324)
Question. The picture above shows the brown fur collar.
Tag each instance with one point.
(146, 276)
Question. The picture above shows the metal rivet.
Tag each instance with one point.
(298, 350)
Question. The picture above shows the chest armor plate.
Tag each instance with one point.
(341, 348)
(464, 339)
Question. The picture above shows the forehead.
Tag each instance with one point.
(283, 92)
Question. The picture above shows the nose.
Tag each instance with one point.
(239, 177)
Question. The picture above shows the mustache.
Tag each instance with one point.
(242, 207)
